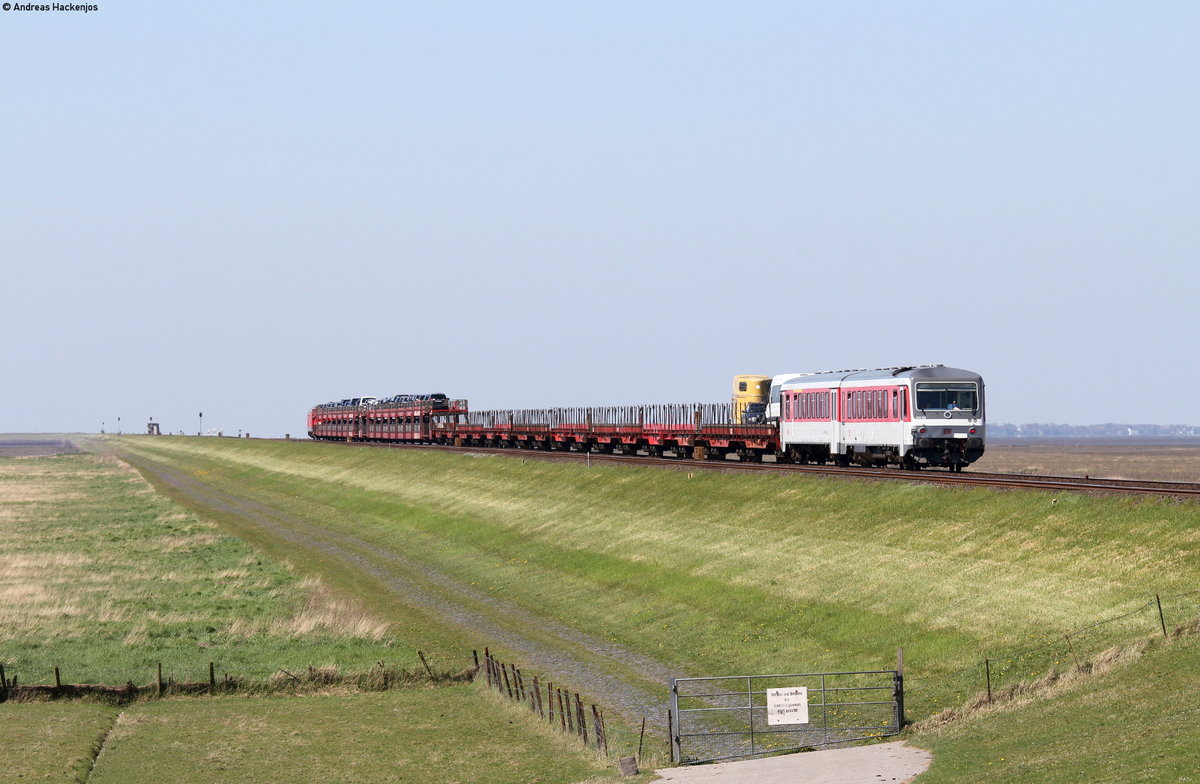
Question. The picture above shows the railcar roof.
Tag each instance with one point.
(923, 373)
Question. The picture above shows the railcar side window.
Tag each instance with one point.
(947, 396)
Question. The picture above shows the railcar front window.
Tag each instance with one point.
(947, 396)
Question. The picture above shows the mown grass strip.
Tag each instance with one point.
(440, 736)
(51, 741)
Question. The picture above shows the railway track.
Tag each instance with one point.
(1086, 484)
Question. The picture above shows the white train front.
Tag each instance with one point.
(909, 416)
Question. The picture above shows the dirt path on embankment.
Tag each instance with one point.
(597, 667)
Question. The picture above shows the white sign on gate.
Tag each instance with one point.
(787, 706)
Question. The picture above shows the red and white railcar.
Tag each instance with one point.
(910, 416)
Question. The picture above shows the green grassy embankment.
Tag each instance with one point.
(717, 574)
(1134, 723)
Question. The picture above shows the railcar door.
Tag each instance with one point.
(835, 422)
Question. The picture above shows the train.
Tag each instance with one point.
(910, 417)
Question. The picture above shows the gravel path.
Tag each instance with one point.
(563, 653)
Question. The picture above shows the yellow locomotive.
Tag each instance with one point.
(750, 399)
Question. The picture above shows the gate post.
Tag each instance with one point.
(899, 689)
(673, 722)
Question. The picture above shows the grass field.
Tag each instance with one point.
(707, 574)
(428, 735)
(718, 573)
(105, 578)
(434, 736)
(51, 742)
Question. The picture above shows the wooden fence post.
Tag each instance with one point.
(579, 714)
(598, 727)
(1070, 648)
(641, 738)
(507, 685)
(427, 668)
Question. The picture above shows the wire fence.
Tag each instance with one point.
(380, 677)
(1003, 673)
(559, 707)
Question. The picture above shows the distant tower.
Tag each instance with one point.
(152, 429)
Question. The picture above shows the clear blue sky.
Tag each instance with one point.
(247, 208)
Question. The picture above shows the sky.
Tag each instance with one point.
(243, 209)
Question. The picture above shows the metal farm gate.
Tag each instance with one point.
(751, 715)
